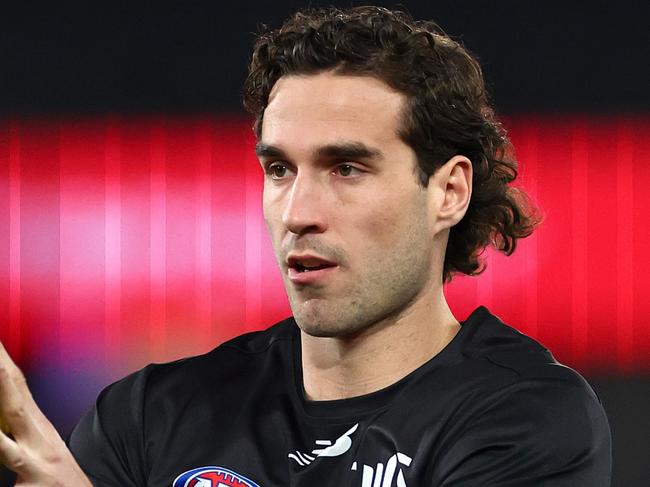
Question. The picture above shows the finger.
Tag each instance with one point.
(20, 384)
(4, 427)
(12, 409)
(14, 458)
(13, 370)
(18, 410)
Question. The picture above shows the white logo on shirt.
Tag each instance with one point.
(339, 447)
(383, 477)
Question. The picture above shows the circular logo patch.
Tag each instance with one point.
(212, 477)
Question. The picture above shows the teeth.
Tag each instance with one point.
(304, 268)
(308, 267)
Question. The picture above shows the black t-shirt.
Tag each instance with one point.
(491, 409)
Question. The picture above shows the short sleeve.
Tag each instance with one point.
(542, 433)
(108, 440)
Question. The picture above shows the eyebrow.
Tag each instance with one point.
(352, 150)
(265, 150)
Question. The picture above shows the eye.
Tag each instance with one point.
(346, 170)
(277, 170)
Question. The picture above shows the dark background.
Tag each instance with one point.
(190, 57)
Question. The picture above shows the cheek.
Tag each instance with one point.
(271, 210)
(273, 228)
(390, 220)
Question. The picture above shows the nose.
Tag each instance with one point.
(305, 209)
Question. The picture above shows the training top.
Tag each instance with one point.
(493, 408)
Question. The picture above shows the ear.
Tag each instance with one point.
(451, 187)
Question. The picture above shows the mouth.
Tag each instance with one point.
(307, 269)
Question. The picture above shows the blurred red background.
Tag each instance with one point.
(130, 240)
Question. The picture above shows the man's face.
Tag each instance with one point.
(349, 222)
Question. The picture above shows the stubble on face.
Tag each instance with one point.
(379, 286)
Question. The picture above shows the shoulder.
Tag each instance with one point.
(142, 409)
(232, 364)
(528, 377)
(545, 431)
(246, 353)
(535, 418)
(504, 350)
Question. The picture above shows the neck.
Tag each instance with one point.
(380, 355)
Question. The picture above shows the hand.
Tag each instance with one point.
(29, 444)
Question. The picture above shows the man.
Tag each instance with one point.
(385, 173)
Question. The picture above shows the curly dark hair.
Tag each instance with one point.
(447, 110)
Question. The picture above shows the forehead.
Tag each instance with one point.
(313, 110)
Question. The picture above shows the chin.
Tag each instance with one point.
(315, 325)
(328, 325)
(320, 332)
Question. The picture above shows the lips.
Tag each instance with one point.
(308, 268)
(308, 263)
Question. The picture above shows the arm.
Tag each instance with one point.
(29, 444)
